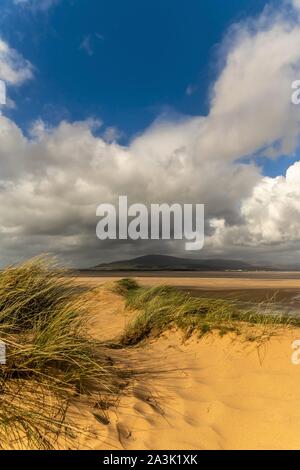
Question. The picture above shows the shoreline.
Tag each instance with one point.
(199, 282)
(186, 274)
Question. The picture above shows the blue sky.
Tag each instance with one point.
(123, 62)
(194, 101)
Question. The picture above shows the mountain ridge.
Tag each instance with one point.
(173, 263)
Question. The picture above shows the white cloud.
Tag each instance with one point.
(271, 215)
(88, 43)
(296, 3)
(52, 181)
(51, 185)
(112, 134)
(14, 69)
(36, 4)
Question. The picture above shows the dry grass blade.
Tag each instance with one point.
(51, 360)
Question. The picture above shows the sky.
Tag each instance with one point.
(161, 100)
(125, 62)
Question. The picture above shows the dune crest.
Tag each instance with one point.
(213, 393)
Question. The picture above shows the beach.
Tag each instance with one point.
(210, 393)
(109, 363)
(280, 288)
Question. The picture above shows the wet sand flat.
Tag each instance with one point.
(205, 280)
(280, 288)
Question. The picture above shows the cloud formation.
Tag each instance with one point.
(270, 215)
(52, 181)
(88, 43)
(14, 69)
(36, 4)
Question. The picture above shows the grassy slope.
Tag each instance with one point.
(164, 307)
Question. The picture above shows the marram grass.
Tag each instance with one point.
(164, 307)
(51, 360)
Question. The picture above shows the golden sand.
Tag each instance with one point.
(213, 393)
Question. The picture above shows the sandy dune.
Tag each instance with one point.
(216, 395)
(206, 394)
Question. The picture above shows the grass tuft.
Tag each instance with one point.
(125, 286)
(163, 307)
(51, 360)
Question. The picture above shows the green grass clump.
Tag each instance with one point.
(51, 359)
(161, 308)
(125, 286)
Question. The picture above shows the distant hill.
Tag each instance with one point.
(171, 263)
